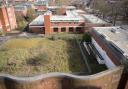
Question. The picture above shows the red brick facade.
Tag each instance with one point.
(65, 26)
(7, 18)
(115, 58)
(47, 24)
(105, 47)
(41, 8)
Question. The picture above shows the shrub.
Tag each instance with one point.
(86, 37)
(54, 38)
(2, 33)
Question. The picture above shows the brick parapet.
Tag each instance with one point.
(105, 80)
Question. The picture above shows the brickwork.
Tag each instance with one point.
(41, 8)
(11, 17)
(37, 30)
(105, 47)
(47, 24)
(105, 80)
(7, 18)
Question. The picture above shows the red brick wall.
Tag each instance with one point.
(47, 24)
(0, 24)
(105, 47)
(4, 18)
(11, 17)
(106, 80)
(40, 30)
(41, 8)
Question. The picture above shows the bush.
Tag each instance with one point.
(55, 38)
(20, 22)
(30, 14)
(2, 33)
(86, 37)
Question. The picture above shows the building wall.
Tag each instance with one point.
(105, 47)
(47, 24)
(7, 18)
(67, 29)
(0, 25)
(41, 8)
(102, 52)
(105, 80)
(11, 17)
(89, 26)
(37, 29)
(124, 81)
(4, 19)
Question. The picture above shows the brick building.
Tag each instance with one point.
(112, 44)
(7, 18)
(41, 5)
(93, 21)
(21, 10)
(64, 19)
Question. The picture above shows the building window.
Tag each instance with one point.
(70, 23)
(75, 22)
(63, 29)
(70, 29)
(78, 29)
(56, 23)
(55, 29)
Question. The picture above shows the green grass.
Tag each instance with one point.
(25, 57)
(95, 66)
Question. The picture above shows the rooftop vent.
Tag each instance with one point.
(113, 30)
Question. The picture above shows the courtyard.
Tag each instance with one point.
(31, 56)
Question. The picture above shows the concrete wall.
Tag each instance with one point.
(105, 80)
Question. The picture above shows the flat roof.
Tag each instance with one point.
(116, 35)
(93, 19)
(71, 15)
(67, 7)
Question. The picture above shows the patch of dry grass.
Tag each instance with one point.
(26, 57)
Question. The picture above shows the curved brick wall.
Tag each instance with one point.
(105, 80)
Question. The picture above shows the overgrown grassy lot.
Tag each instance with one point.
(28, 56)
